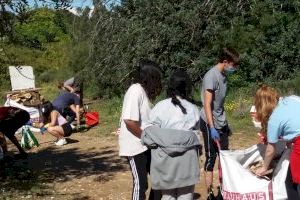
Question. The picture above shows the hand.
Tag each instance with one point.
(214, 134)
(77, 128)
(261, 171)
(262, 138)
(43, 130)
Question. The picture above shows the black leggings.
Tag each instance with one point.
(140, 168)
(211, 149)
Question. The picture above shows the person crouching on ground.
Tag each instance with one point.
(11, 119)
(68, 105)
(55, 123)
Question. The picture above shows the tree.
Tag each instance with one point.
(189, 34)
(18, 10)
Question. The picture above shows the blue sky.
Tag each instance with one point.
(82, 3)
(76, 3)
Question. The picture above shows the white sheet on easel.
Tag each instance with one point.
(21, 77)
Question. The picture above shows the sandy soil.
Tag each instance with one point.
(89, 168)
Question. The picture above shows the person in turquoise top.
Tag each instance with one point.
(284, 121)
(280, 118)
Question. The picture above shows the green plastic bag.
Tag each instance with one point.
(28, 139)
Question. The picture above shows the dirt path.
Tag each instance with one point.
(87, 168)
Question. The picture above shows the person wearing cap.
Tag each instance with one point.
(73, 85)
(55, 124)
(11, 119)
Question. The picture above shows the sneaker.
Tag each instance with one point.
(72, 126)
(61, 142)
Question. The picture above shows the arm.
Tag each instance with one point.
(208, 97)
(270, 152)
(68, 84)
(76, 109)
(53, 119)
(41, 124)
(69, 88)
(133, 127)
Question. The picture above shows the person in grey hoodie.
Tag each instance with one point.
(174, 163)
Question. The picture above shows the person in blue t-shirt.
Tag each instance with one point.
(68, 104)
(280, 119)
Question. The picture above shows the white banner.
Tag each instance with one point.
(238, 183)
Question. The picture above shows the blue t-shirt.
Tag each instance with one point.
(284, 121)
(66, 99)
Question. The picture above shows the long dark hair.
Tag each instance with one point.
(148, 74)
(46, 108)
(180, 85)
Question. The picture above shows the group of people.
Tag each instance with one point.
(164, 140)
(160, 141)
(65, 108)
(57, 117)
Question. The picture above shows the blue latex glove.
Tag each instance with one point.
(43, 130)
(214, 134)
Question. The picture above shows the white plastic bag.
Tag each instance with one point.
(238, 183)
(33, 112)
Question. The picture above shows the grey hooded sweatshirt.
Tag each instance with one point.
(174, 157)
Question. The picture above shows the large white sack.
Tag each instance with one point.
(238, 183)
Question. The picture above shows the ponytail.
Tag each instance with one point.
(177, 102)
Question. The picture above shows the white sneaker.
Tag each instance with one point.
(72, 126)
(61, 142)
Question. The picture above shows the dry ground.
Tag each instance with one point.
(87, 168)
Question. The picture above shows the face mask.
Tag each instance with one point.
(230, 70)
(256, 124)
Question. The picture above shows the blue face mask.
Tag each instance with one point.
(230, 70)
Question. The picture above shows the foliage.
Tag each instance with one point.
(104, 47)
(12, 11)
(40, 38)
(189, 34)
(40, 28)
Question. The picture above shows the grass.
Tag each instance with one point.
(237, 107)
(109, 111)
(33, 184)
